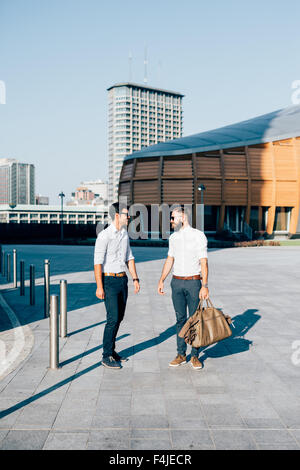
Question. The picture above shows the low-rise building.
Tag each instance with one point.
(42, 200)
(44, 214)
(89, 193)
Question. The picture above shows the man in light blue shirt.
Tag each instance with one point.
(111, 256)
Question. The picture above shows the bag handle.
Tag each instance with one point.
(208, 303)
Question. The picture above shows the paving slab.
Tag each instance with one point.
(66, 441)
(246, 396)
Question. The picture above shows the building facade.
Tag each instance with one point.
(17, 182)
(39, 214)
(138, 116)
(89, 193)
(250, 171)
(98, 187)
(43, 200)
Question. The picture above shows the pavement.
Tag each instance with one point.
(247, 396)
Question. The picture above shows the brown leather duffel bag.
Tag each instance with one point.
(208, 325)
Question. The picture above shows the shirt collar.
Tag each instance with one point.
(116, 231)
(188, 227)
(114, 228)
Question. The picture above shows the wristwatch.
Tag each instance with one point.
(136, 279)
(205, 285)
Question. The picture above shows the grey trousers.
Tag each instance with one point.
(185, 294)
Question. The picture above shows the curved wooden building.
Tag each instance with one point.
(251, 172)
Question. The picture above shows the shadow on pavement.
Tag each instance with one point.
(79, 296)
(149, 343)
(236, 343)
(86, 328)
(48, 390)
(70, 259)
(233, 345)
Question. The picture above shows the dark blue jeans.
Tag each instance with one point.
(185, 293)
(116, 292)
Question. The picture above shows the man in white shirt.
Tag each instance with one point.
(188, 254)
(111, 256)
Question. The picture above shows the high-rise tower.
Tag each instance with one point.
(138, 116)
(17, 182)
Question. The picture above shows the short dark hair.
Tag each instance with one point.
(184, 209)
(178, 208)
(116, 208)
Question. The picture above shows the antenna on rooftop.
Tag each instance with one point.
(145, 66)
(130, 65)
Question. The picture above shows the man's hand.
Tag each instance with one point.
(136, 286)
(100, 294)
(203, 293)
(160, 288)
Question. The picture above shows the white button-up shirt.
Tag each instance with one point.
(187, 246)
(112, 250)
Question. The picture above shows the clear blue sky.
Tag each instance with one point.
(232, 59)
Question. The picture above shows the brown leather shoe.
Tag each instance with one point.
(195, 363)
(178, 361)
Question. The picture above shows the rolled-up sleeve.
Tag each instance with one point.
(100, 248)
(171, 247)
(129, 254)
(202, 247)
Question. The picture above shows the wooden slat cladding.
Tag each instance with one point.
(126, 171)
(124, 190)
(283, 142)
(208, 166)
(263, 175)
(146, 192)
(177, 191)
(235, 166)
(235, 192)
(286, 193)
(261, 193)
(285, 168)
(261, 166)
(297, 145)
(146, 169)
(178, 167)
(212, 194)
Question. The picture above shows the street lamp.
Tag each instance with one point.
(202, 188)
(61, 195)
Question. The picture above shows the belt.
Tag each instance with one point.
(188, 278)
(115, 274)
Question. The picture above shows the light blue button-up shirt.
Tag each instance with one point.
(112, 250)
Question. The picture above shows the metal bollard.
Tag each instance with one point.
(15, 269)
(8, 266)
(63, 308)
(22, 277)
(46, 287)
(54, 359)
(32, 284)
